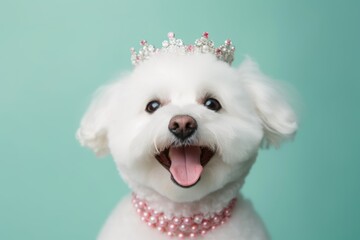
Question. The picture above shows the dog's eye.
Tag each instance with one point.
(152, 106)
(212, 104)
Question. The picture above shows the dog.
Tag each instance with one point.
(184, 130)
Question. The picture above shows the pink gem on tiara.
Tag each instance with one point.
(190, 48)
(171, 35)
(143, 42)
(173, 45)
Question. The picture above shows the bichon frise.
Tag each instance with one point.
(184, 129)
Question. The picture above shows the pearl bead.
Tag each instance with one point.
(162, 223)
(198, 219)
(176, 220)
(161, 229)
(227, 212)
(194, 228)
(183, 227)
(152, 219)
(216, 219)
(205, 224)
(187, 221)
(172, 227)
(192, 235)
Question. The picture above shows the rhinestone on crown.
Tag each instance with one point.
(224, 52)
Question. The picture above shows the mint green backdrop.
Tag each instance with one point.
(54, 54)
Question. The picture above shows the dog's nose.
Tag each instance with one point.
(182, 126)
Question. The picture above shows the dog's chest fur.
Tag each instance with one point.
(124, 223)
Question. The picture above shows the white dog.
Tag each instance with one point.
(184, 131)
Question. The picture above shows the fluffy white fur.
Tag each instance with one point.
(253, 113)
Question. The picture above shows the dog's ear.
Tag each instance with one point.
(92, 132)
(277, 116)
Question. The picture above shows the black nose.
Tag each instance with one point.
(182, 126)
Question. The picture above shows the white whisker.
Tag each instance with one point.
(155, 145)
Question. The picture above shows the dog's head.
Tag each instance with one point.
(186, 126)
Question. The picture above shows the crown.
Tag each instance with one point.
(224, 52)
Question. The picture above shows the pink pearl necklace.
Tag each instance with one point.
(179, 226)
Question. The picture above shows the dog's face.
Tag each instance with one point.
(186, 126)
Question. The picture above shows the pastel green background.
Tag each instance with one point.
(54, 54)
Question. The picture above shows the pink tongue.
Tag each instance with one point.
(185, 164)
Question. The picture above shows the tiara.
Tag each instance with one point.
(224, 52)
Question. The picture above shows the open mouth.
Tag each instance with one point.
(185, 163)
